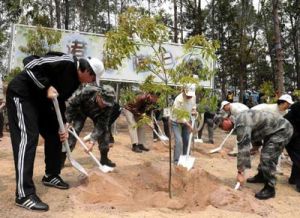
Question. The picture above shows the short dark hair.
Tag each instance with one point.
(84, 65)
(279, 102)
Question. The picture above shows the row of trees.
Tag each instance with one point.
(258, 43)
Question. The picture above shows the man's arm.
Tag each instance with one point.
(244, 142)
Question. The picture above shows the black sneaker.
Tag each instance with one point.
(32, 202)
(135, 148)
(107, 162)
(142, 147)
(55, 181)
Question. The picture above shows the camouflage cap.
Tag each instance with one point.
(108, 95)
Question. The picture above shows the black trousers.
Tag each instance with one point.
(26, 120)
(1, 123)
(293, 149)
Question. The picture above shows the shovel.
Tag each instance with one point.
(160, 135)
(187, 161)
(103, 168)
(222, 144)
(74, 163)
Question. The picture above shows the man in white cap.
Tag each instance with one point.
(233, 110)
(185, 101)
(279, 109)
(30, 113)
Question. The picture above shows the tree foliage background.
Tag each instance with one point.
(249, 46)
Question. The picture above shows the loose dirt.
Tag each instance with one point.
(139, 186)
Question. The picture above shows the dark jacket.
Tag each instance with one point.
(143, 103)
(41, 73)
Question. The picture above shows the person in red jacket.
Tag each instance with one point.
(30, 113)
(133, 112)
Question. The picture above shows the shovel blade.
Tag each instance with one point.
(186, 161)
(163, 138)
(215, 150)
(105, 169)
(198, 140)
(77, 166)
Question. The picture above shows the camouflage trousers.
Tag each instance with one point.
(270, 152)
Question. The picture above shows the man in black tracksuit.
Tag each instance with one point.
(293, 148)
(97, 103)
(30, 113)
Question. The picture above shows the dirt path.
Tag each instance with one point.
(139, 185)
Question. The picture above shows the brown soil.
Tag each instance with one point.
(139, 186)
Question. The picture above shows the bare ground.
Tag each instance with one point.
(139, 185)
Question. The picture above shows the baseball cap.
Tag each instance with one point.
(223, 104)
(108, 95)
(190, 89)
(286, 98)
(97, 67)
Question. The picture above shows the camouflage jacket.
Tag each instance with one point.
(255, 126)
(83, 104)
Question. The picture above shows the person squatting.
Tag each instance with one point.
(97, 103)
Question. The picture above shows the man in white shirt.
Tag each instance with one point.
(233, 110)
(185, 102)
(280, 108)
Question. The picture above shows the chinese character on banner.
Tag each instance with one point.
(77, 48)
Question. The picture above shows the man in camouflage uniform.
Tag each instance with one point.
(98, 104)
(276, 132)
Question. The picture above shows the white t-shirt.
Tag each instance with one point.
(236, 108)
(182, 104)
(272, 108)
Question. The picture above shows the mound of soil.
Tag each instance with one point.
(146, 186)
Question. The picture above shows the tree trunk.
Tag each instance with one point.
(58, 13)
(294, 20)
(199, 18)
(175, 22)
(108, 16)
(213, 20)
(51, 14)
(181, 21)
(67, 14)
(278, 49)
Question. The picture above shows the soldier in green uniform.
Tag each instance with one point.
(275, 132)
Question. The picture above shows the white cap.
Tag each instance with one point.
(190, 90)
(97, 67)
(224, 103)
(286, 98)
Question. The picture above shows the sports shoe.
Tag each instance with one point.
(55, 181)
(142, 147)
(32, 202)
(107, 162)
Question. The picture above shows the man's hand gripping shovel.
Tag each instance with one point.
(66, 146)
(187, 161)
(103, 168)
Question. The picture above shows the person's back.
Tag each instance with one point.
(272, 108)
(236, 108)
(259, 124)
